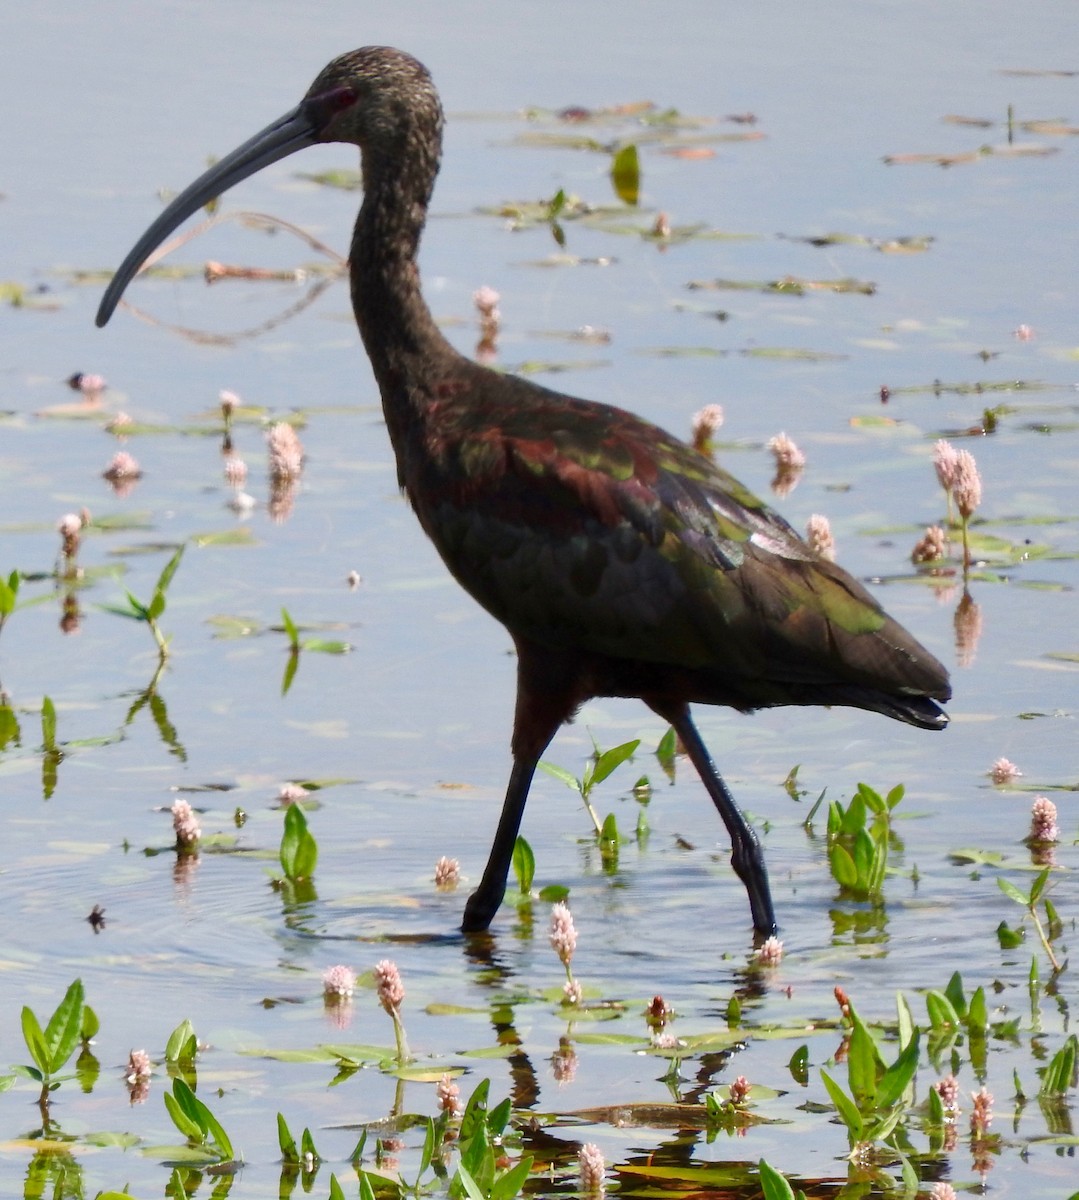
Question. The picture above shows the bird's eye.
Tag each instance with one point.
(338, 98)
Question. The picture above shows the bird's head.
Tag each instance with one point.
(377, 98)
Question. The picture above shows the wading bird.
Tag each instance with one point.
(621, 561)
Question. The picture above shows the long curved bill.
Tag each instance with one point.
(285, 136)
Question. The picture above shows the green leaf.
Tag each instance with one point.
(977, 1012)
(862, 1067)
(1058, 1075)
(165, 578)
(182, 1045)
(553, 892)
(848, 1112)
(510, 1183)
(336, 1191)
(667, 747)
(610, 759)
(35, 1040)
(299, 850)
(844, 871)
(307, 1146)
(286, 1141)
(472, 1189)
(291, 667)
(187, 1126)
(9, 589)
(1010, 890)
(773, 1184)
(941, 1012)
(1038, 886)
(871, 799)
(367, 1192)
(626, 174)
(524, 865)
(609, 832)
(896, 1079)
(954, 992)
(905, 1019)
(290, 629)
(321, 646)
(64, 1027)
(1009, 938)
(561, 774)
(91, 1025)
(799, 1065)
(48, 723)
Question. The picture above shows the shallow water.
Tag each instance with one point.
(410, 729)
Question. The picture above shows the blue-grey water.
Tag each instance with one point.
(111, 106)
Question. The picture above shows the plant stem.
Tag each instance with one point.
(1044, 939)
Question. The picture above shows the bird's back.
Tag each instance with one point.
(588, 531)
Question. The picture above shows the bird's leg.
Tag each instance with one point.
(543, 703)
(484, 901)
(747, 858)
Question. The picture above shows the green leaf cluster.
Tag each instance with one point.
(875, 1104)
(197, 1123)
(858, 841)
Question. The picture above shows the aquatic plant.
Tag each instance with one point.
(137, 611)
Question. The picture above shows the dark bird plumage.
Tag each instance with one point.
(621, 561)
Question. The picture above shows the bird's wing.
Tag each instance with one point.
(596, 530)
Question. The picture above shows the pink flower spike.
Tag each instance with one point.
(1023, 333)
(982, 1115)
(185, 824)
(138, 1066)
(786, 453)
(235, 471)
(449, 1096)
(945, 458)
(338, 984)
(819, 536)
(1004, 771)
(706, 424)
(1043, 820)
(948, 1091)
(573, 992)
(391, 991)
(563, 933)
(740, 1090)
(69, 527)
(942, 1190)
(967, 487)
(592, 1166)
(447, 874)
(931, 546)
(286, 452)
(122, 467)
(770, 952)
(486, 301)
(290, 793)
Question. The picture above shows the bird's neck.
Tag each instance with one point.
(407, 349)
